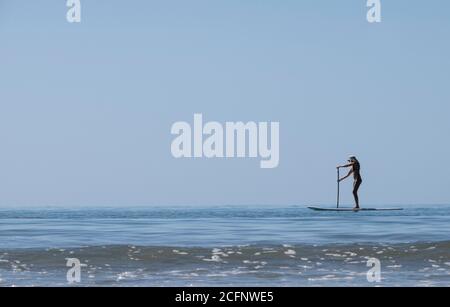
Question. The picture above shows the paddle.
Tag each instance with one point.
(338, 177)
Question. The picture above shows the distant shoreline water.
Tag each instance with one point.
(229, 246)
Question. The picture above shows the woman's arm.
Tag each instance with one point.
(348, 175)
(346, 165)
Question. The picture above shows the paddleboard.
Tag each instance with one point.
(351, 209)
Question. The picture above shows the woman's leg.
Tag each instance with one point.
(356, 185)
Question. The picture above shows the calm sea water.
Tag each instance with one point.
(225, 246)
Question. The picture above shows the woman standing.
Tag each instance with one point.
(356, 171)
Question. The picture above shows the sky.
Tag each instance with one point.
(86, 108)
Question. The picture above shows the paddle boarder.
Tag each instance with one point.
(357, 180)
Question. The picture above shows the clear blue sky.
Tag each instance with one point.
(86, 109)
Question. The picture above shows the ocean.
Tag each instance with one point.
(224, 246)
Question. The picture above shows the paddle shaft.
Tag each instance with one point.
(338, 177)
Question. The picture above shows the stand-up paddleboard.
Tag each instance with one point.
(352, 210)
